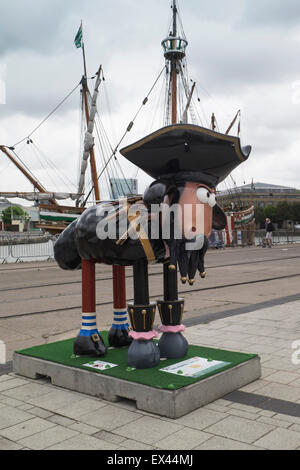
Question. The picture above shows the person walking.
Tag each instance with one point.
(269, 232)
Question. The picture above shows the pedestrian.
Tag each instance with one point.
(269, 232)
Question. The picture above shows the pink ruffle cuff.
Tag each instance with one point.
(171, 329)
(146, 335)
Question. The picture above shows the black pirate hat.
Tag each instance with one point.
(185, 149)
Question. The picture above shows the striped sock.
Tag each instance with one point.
(120, 321)
(88, 325)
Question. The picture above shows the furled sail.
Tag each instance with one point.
(89, 139)
(37, 196)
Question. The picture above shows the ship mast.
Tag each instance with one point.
(174, 51)
(87, 115)
(174, 68)
(34, 181)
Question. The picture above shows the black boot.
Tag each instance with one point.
(89, 346)
(118, 338)
(143, 353)
(172, 344)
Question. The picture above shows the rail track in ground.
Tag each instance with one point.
(224, 286)
(128, 276)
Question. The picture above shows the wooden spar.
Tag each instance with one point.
(92, 153)
(188, 103)
(233, 121)
(213, 121)
(71, 209)
(170, 272)
(84, 59)
(35, 183)
(174, 91)
(174, 70)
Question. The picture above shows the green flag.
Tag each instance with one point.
(78, 38)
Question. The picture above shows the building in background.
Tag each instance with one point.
(20, 223)
(259, 194)
(121, 187)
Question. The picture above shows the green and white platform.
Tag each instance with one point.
(202, 376)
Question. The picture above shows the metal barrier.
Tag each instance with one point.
(258, 237)
(4, 253)
(36, 250)
(15, 249)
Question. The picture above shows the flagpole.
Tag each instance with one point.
(83, 53)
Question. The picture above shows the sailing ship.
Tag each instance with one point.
(53, 216)
(179, 115)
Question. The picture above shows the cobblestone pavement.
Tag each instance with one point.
(262, 415)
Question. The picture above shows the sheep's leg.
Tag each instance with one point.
(142, 352)
(89, 341)
(118, 334)
(171, 344)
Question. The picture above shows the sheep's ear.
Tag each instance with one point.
(155, 194)
(219, 218)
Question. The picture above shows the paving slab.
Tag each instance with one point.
(200, 419)
(25, 429)
(54, 399)
(26, 391)
(84, 428)
(240, 429)
(222, 443)
(109, 417)
(283, 377)
(10, 416)
(295, 427)
(148, 430)
(47, 438)
(109, 437)
(39, 412)
(280, 439)
(185, 439)
(11, 402)
(281, 392)
(62, 420)
(87, 405)
(5, 444)
(84, 442)
(274, 422)
(11, 384)
(286, 417)
(130, 444)
(242, 414)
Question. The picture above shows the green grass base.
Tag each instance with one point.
(61, 352)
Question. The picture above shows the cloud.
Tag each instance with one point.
(270, 14)
(244, 53)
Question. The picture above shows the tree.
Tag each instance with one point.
(295, 212)
(271, 213)
(284, 211)
(259, 214)
(13, 211)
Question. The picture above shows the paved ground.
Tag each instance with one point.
(41, 303)
(262, 415)
(259, 317)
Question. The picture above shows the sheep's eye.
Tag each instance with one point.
(212, 200)
(203, 195)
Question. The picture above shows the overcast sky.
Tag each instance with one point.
(243, 54)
